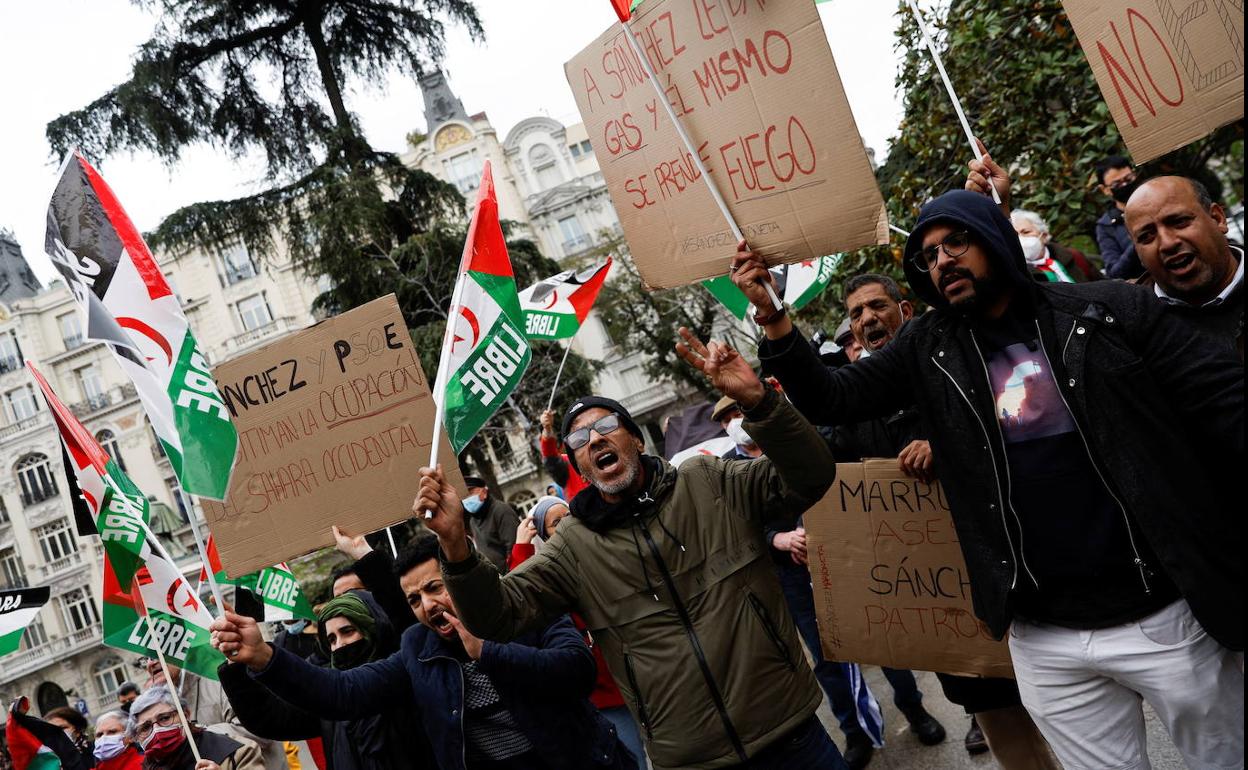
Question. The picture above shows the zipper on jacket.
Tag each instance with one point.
(1022, 554)
(687, 622)
(996, 475)
(463, 698)
(757, 606)
(1139, 563)
(638, 699)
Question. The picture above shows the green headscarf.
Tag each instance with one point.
(353, 609)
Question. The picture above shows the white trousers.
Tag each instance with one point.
(1085, 690)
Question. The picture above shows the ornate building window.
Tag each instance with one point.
(36, 479)
(56, 541)
(78, 607)
(108, 440)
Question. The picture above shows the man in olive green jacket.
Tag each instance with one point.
(671, 575)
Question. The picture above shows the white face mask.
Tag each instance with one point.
(1033, 247)
(738, 433)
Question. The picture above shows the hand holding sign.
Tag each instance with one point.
(447, 522)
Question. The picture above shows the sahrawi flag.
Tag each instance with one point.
(555, 308)
(487, 351)
(276, 587)
(799, 283)
(128, 304)
(38, 745)
(18, 609)
(138, 572)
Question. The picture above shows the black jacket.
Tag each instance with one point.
(388, 740)
(1160, 408)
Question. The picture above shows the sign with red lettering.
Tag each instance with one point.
(1172, 71)
(754, 84)
(333, 422)
(890, 582)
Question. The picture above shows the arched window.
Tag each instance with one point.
(36, 479)
(50, 696)
(110, 675)
(522, 501)
(545, 169)
(108, 440)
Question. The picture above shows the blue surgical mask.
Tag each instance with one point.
(109, 746)
(473, 503)
(297, 626)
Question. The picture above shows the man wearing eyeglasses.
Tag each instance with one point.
(670, 572)
(1087, 439)
(1116, 179)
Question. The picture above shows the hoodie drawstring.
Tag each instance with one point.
(644, 572)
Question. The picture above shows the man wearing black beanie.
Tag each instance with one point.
(669, 570)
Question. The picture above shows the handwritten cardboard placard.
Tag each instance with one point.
(1171, 71)
(889, 579)
(755, 85)
(333, 423)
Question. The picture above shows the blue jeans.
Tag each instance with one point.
(808, 746)
(795, 581)
(626, 730)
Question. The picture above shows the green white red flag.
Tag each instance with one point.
(624, 8)
(142, 584)
(799, 283)
(555, 308)
(18, 608)
(128, 304)
(485, 351)
(276, 587)
(38, 745)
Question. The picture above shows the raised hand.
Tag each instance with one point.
(355, 547)
(437, 495)
(750, 274)
(472, 645)
(728, 372)
(984, 171)
(526, 531)
(548, 424)
(238, 638)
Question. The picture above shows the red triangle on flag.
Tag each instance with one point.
(622, 9)
(485, 250)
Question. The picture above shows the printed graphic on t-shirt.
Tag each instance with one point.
(1028, 403)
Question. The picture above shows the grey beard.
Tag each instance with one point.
(623, 484)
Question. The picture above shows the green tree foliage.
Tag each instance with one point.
(1030, 95)
(270, 77)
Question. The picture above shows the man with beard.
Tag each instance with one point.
(670, 573)
(482, 705)
(1082, 434)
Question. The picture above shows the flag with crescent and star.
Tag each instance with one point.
(138, 572)
(276, 587)
(489, 351)
(798, 284)
(555, 308)
(129, 306)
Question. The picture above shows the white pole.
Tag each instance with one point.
(693, 151)
(177, 695)
(957, 104)
(203, 551)
(899, 231)
(393, 550)
(558, 374)
(439, 385)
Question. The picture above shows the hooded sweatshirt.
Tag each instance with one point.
(1076, 543)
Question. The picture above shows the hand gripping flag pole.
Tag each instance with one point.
(953, 96)
(623, 12)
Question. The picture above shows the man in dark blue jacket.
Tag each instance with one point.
(484, 706)
(1116, 179)
(1088, 441)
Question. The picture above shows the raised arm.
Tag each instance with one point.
(376, 570)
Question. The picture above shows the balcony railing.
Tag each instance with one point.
(513, 467)
(63, 564)
(11, 364)
(36, 420)
(580, 243)
(251, 336)
(110, 397)
(234, 274)
(21, 663)
(648, 398)
(39, 494)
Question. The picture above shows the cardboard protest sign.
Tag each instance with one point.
(333, 423)
(890, 583)
(755, 85)
(1171, 71)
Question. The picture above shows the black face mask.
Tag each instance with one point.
(356, 653)
(1123, 194)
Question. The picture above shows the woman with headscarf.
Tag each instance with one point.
(112, 751)
(540, 526)
(353, 630)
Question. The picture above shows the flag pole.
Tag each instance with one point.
(693, 151)
(953, 96)
(177, 695)
(444, 358)
(393, 550)
(559, 374)
(899, 231)
(203, 551)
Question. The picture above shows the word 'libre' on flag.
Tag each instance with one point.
(18, 608)
(38, 745)
(799, 283)
(555, 308)
(487, 351)
(128, 304)
(276, 587)
(146, 599)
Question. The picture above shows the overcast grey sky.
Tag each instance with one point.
(58, 55)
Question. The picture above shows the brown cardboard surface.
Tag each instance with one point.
(755, 86)
(1171, 71)
(333, 423)
(889, 578)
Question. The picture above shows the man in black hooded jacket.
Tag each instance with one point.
(1085, 436)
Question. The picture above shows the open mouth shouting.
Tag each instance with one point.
(606, 461)
(1181, 265)
(437, 619)
(876, 337)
